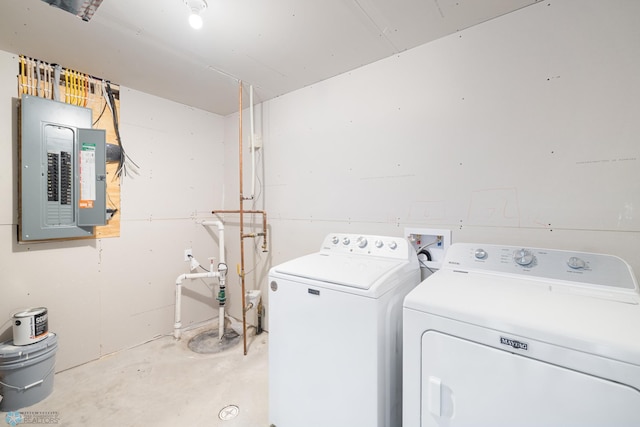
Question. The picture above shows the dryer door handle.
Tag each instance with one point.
(434, 396)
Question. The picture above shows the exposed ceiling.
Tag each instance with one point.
(275, 45)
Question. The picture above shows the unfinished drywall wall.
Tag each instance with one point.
(521, 130)
(104, 295)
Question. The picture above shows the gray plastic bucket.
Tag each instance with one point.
(26, 372)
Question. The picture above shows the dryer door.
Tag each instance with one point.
(469, 384)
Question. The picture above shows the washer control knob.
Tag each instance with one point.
(335, 240)
(523, 257)
(346, 241)
(576, 263)
(379, 244)
(361, 242)
(393, 245)
(480, 253)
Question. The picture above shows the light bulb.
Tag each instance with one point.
(195, 21)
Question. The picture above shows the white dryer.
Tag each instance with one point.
(506, 336)
(335, 333)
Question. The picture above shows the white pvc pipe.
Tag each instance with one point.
(220, 323)
(177, 325)
(177, 320)
(221, 277)
(253, 144)
(220, 226)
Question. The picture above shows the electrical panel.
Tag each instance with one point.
(62, 171)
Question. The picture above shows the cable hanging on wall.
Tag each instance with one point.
(38, 78)
(124, 157)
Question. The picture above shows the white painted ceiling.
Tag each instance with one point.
(275, 45)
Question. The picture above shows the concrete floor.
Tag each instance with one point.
(163, 383)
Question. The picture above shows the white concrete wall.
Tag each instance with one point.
(522, 130)
(108, 294)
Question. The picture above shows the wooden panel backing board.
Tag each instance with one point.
(97, 102)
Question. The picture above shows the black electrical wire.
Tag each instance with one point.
(101, 113)
(122, 166)
(114, 114)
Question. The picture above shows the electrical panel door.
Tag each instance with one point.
(62, 171)
(92, 203)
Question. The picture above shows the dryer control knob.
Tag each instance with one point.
(523, 257)
(480, 253)
(576, 263)
(346, 241)
(379, 244)
(361, 242)
(335, 240)
(393, 245)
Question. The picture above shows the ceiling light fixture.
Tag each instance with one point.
(196, 7)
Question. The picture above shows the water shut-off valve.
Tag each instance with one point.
(222, 274)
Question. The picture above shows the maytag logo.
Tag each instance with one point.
(514, 343)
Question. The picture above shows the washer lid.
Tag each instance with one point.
(345, 270)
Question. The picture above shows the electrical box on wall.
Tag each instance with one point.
(430, 245)
(62, 171)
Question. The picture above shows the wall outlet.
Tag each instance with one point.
(429, 243)
(188, 254)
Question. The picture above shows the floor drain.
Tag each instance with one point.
(229, 412)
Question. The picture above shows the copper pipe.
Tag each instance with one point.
(264, 225)
(242, 211)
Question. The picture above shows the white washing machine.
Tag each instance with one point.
(335, 333)
(506, 336)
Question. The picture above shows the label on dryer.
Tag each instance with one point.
(514, 343)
